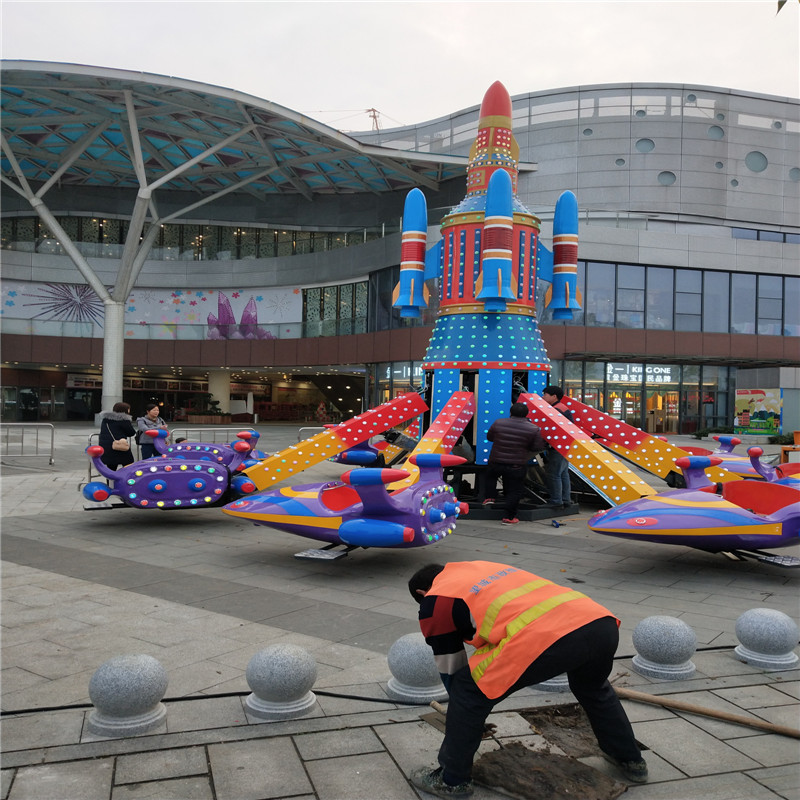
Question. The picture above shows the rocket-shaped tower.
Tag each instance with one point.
(486, 337)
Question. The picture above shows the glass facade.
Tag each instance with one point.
(335, 310)
(658, 398)
(105, 238)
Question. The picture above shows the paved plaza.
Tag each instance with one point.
(203, 592)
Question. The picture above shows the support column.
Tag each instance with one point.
(219, 384)
(113, 353)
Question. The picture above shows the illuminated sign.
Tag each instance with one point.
(632, 373)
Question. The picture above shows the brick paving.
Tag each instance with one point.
(203, 592)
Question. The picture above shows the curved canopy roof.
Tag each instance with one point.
(117, 128)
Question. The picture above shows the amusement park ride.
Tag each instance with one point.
(485, 351)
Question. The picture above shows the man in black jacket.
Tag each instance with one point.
(513, 439)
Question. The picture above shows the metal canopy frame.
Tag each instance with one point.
(191, 137)
(69, 125)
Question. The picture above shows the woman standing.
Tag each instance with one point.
(116, 426)
(149, 422)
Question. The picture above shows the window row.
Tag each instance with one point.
(104, 238)
(667, 298)
(765, 236)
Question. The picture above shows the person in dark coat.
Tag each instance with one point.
(556, 467)
(116, 424)
(513, 440)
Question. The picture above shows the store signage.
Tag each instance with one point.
(402, 371)
(632, 373)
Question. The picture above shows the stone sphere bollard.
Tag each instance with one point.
(560, 683)
(664, 647)
(768, 638)
(126, 692)
(415, 677)
(281, 677)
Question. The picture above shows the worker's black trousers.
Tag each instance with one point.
(586, 655)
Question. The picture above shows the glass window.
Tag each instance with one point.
(595, 372)
(362, 295)
(660, 281)
(227, 244)
(312, 312)
(26, 230)
(330, 310)
(302, 242)
(690, 400)
(248, 242)
(688, 301)
(383, 382)
(744, 233)
(7, 232)
(599, 296)
(171, 241)
(630, 277)
(46, 241)
(208, 242)
(72, 227)
(743, 303)
(192, 246)
(630, 296)
(630, 308)
(770, 304)
(284, 246)
(716, 300)
(791, 307)
(770, 236)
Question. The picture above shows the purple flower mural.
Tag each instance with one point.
(222, 325)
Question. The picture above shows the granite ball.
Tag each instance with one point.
(768, 638)
(415, 676)
(664, 647)
(280, 677)
(126, 692)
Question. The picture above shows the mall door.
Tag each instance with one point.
(625, 403)
(662, 411)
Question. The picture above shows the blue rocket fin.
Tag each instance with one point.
(544, 263)
(434, 260)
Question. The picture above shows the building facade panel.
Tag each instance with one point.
(664, 174)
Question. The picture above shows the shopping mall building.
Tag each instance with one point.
(164, 239)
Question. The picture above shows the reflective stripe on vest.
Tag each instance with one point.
(479, 665)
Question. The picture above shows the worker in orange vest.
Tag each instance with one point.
(526, 630)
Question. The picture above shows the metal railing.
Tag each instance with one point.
(307, 433)
(24, 440)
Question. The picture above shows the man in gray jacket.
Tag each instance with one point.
(513, 440)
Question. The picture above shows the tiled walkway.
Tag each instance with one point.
(203, 592)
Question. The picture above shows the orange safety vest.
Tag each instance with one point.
(518, 615)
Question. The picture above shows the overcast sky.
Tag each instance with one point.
(414, 61)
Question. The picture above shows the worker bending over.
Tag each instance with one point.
(526, 630)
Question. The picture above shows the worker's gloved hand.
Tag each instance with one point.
(489, 730)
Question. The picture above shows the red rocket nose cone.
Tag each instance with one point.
(496, 102)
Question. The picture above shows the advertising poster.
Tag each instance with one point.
(758, 411)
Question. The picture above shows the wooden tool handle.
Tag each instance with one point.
(680, 705)
(438, 707)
